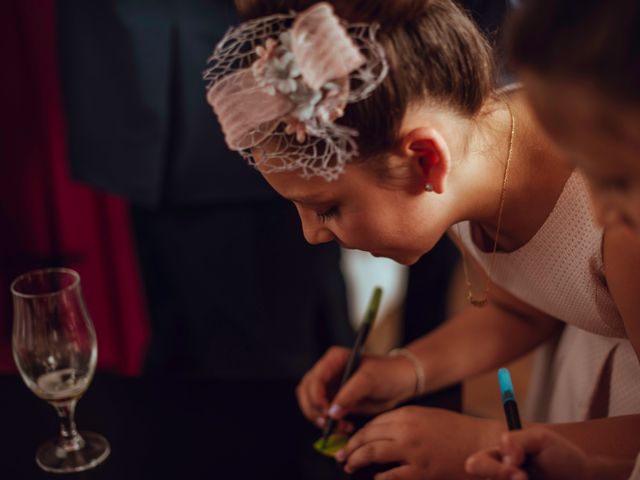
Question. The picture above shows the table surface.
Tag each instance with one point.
(175, 427)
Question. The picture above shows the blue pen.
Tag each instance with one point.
(509, 400)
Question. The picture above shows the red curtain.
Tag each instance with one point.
(47, 219)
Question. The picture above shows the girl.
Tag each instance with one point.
(407, 127)
(589, 77)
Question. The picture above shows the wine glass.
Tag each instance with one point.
(54, 347)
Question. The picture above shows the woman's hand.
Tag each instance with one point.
(377, 385)
(548, 455)
(424, 443)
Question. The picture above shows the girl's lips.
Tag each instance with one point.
(344, 245)
(349, 247)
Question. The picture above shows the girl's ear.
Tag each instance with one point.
(429, 153)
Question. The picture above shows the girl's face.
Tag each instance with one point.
(600, 137)
(359, 212)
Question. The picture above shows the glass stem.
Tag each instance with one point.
(70, 440)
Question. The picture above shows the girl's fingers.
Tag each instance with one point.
(312, 391)
(350, 397)
(316, 396)
(368, 433)
(304, 401)
(379, 451)
(324, 373)
(488, 464)
(530, 441)
(345, 427)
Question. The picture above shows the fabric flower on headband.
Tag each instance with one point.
(278, 83)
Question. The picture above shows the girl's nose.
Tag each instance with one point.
(316, 234)
(314, 231)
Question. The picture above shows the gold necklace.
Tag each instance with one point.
(481, 302)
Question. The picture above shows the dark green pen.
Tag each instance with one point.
(356, 351)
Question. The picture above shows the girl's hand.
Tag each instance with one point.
(549, 456)
(378, 384)
(422, 442)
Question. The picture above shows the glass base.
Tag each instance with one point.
(53, 458)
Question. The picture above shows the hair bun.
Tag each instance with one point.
(385, 12)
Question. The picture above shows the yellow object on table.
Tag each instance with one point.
(333, 445)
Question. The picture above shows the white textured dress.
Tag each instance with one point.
(591, 370)
(635, 475)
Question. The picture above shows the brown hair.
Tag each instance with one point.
(591, 41)
(434, 50)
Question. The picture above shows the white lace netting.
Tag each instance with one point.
(328, 145)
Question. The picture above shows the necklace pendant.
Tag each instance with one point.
(476, 302)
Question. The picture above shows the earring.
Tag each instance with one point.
(429, 187)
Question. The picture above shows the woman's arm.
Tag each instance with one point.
(482, 338)
(475, 341)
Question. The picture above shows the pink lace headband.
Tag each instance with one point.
(278, 83)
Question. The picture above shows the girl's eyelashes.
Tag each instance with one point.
(327, 214)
